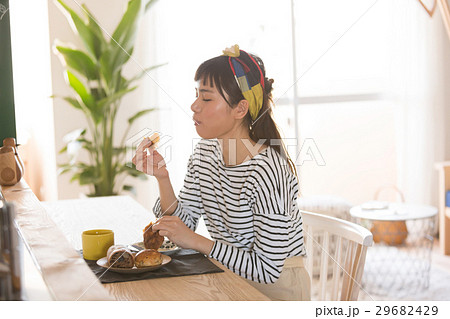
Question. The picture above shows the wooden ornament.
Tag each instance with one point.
(11, 166)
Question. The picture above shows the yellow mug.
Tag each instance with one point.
(96, 243)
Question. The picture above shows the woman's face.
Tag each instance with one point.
(213, 117)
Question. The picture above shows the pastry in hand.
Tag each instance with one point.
(120, 257)
(154, 139)
(147, 258)
(152, 240)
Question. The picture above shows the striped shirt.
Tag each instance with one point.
(250, 210)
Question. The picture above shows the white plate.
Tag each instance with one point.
(103, 262)
(167, 243)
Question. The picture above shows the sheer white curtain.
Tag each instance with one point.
(343, 63)
(419, 69)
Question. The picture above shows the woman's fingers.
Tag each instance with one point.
(174, 228)
(148, 163)
(140, 162)
(161, 222)
(165, 233)
(146, 143)
(155, 159)
(141, 149)
(165, 223)
(165, 228)
(148, 160)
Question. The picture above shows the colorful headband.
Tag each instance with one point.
(251, 87)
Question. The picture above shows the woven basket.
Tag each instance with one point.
(393, 233)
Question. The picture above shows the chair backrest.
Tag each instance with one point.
(342, 244)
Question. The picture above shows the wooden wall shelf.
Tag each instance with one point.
(444, 212)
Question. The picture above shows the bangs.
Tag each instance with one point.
(217, 73)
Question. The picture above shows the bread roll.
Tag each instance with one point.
(120, 257)
(147, 258)
(152, 240)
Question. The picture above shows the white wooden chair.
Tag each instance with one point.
(348, 258)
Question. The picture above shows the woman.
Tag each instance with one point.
(239, 178)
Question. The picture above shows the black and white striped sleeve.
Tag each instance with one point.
(189, 200)
(277, 230)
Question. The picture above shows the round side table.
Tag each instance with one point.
(400, 259)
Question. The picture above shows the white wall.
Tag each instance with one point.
(32, 91)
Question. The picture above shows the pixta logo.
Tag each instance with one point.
(309, 151)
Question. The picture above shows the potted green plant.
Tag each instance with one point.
(95, 75)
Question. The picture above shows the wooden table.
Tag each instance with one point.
(67, 219)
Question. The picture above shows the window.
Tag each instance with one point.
(342, 64)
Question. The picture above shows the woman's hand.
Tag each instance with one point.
(173, 228)
(150, 162)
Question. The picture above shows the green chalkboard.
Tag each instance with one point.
(7, 114)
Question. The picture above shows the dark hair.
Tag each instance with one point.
(218, 72)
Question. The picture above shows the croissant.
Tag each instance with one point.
(152, 240)
(120, 257)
